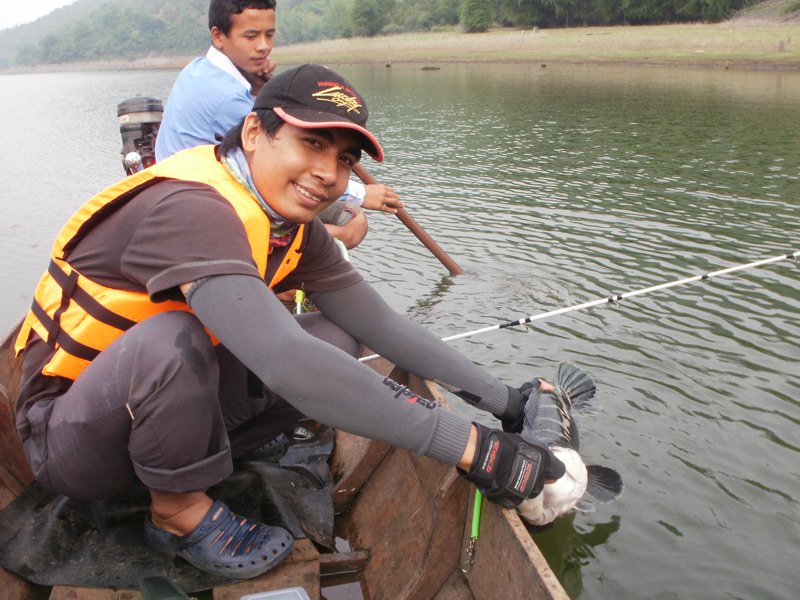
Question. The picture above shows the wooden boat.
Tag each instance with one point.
(407, 520)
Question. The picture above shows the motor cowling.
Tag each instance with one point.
(139, 120)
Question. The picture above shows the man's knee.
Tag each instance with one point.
(146, 406)
(167, 341)
(320, 327)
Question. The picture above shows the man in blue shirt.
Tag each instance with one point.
(213, 94)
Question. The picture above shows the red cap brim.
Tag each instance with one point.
(371, 147)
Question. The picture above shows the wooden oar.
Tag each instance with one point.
(413, 226)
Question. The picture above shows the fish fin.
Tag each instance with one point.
(577, 389)
(577, 419)
(531, 411)
(584, 506)
(604, 483)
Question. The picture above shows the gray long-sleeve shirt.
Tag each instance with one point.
(328, 385)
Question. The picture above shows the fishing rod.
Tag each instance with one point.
(616, 298)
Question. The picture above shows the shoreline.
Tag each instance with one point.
(172, 63)
(738, 44)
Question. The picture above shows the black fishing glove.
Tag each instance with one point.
(517, 399)
(507, 469)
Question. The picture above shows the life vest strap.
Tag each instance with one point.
(67, 287)
(56, 335)
(92, 307)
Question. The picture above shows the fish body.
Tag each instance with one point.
(553, 418)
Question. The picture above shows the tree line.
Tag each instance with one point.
(128, 29)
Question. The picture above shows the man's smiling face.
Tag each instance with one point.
(300, 171)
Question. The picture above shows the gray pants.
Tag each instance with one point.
(340, 212)
(163, 406)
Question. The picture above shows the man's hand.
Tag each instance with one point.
(257, 80)
(269, 69)
(508, 469)
(518, 398)
(381, 197)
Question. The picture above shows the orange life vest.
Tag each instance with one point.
(79, 317)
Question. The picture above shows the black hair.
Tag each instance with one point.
(220, 12)
(268, 119)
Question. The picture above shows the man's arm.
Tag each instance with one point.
(381, 197)
(326, 384)
(320, 380)
(361, 311)
(374, 196)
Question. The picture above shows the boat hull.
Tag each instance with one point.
(406, 518)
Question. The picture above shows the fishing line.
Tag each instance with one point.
(616, 298)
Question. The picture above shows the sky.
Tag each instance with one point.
(13, 12)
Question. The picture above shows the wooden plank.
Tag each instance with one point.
(355, 458)
(505, 552)
(14, 586)
(10, 486)
(341, 562)
(409, 516)
(341, 568)
(352, 464)
(380, 364)
(14, 471)
(456, 588)
(10, 365)
(299, 569)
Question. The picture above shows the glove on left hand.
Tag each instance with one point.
(518, 398)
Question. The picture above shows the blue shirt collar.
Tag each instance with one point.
(218, 59)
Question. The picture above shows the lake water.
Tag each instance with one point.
(551, 187)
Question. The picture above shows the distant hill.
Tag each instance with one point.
(13, 38)
(123, 30)
(108, 29)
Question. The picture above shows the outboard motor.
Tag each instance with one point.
(139, 120)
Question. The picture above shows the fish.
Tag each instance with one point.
(554, 418)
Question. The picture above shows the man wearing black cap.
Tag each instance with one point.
(157, 302)
(213, 93)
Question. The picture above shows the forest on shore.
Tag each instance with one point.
(96, 30)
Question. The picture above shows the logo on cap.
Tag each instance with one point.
(337, 94)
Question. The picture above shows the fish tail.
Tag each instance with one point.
(576, 389)
(604, 484)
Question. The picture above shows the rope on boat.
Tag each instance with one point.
(617, 297)
(474, 532)
(476, 514)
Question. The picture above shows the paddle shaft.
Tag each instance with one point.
(414, 227)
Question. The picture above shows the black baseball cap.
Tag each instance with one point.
(312, 96)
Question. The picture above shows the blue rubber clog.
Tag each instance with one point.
(272, 451)
(224, 544)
